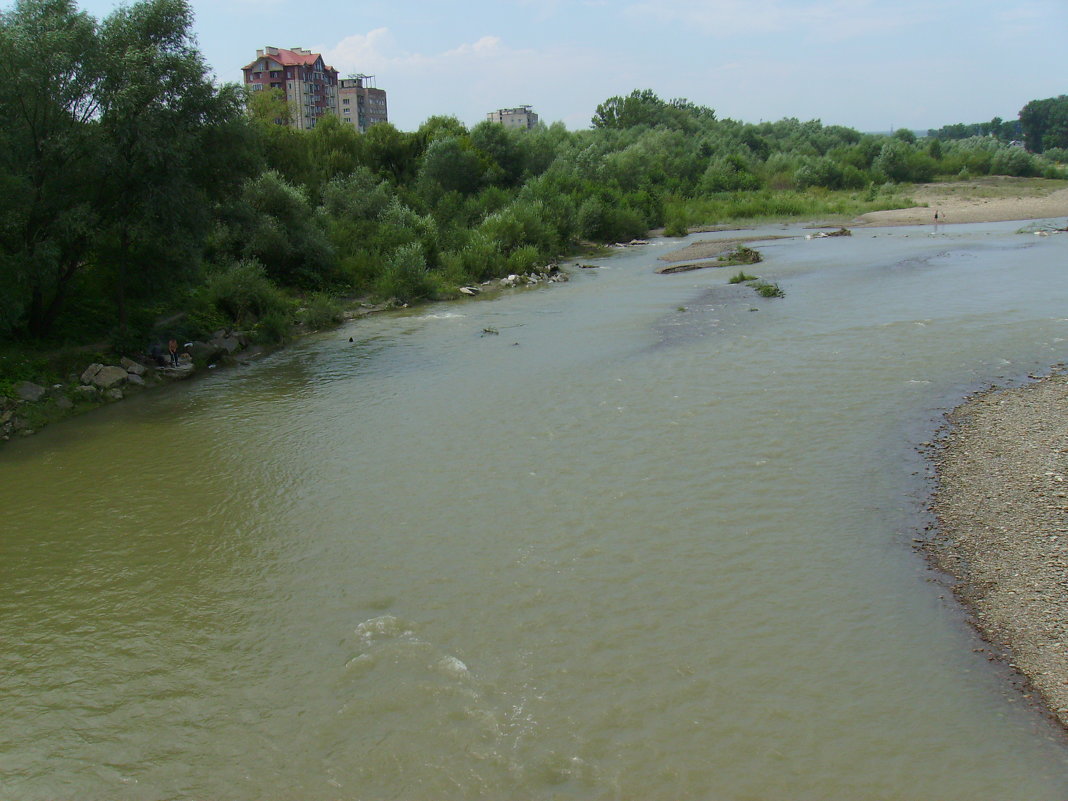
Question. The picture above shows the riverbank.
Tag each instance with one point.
(1001, 506)
(991, 199)
(79, 383)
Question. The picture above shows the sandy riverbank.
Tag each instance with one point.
(1002, 509)
(993, 199)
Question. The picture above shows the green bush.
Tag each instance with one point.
(676, 225)
(244, 293)
(766, 289)
(741, 255)
(321, 311)
(275, 328)
(405, 276)
(524, 260)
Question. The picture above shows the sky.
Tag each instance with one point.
(873, 65)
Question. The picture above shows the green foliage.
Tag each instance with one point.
(244, 294)
(740, 277)
(1045, 123)
(1014, 161)
(405, 277)
(676, 226)
(766, 289)
(321, 310)
(741, 255)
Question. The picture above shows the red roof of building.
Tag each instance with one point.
(288, 58)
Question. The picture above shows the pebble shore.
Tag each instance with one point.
(1001, 506)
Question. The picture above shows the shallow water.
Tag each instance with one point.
(652, 540)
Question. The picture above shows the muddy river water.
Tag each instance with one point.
(653, 539)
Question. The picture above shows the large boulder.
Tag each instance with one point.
(90, 371)
(28, 391)
(205, 352)
(109, 376)
(132, 367)
(230, 345)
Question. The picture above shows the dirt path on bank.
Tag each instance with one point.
(1002, 509)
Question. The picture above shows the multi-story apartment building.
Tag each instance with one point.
(312, 88)
(309, 85)
(520, 117)
(360, 103)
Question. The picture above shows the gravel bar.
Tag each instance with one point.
(1001, 506)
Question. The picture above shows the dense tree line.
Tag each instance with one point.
(136, 186)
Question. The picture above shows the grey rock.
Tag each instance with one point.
(227, 344)
(28, 391)
(204, 352)
(90, 371)
(132, 367)
(86, 391)
(135, 379)
(5, 417)
(113, 394)
(63, 402)
(109, 376)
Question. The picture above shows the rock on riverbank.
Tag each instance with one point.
(1002, 509)
(34, 406)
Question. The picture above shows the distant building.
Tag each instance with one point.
(309, 85)
(520, 117)
(360, 103)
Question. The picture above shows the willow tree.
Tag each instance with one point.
(49, 74)
(168, 143)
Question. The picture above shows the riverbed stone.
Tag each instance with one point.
(132, 367)
(109, 376)
(64, 403)
(135, 380)
(204, 352)
(229, 344)
(90, 371)
(114, 394)
(29, 391)
(87, 391)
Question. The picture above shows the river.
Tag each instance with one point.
(653, 539)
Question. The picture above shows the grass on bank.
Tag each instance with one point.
(769, 204)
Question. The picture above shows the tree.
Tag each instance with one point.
(498, 146)
(452, 164)
(643, 107)
(49, 72)
(1045, 123)
(155, 176)
(268, 107)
